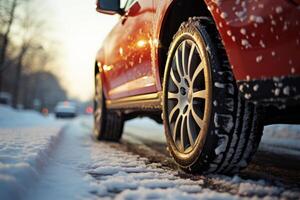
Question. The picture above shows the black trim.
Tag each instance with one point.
(282, 115)
(271, 90)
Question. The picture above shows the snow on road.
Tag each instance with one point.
(26, 141)
(284, 137)
(128, 176)
(86, 169)
(45, 161)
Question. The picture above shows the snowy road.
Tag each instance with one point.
(278, 157)
(140, 168)
(72, 165)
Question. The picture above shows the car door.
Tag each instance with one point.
(137, 24)
(127, 52)
(114, 63)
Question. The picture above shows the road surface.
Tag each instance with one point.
(76, 166)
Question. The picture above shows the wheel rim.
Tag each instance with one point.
(187, 96)
(98, 103)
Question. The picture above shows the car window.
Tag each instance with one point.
(123, 3)
(127, 3)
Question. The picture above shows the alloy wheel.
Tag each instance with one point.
(188, 96)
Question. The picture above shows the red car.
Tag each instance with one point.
(214, 72)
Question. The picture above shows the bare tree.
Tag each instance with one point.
(31, 43)
(7, 21)
(24, 51)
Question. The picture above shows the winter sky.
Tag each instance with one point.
(79, 30)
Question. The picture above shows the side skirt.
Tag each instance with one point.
(151, 102)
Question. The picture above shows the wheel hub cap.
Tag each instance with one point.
(182, 91)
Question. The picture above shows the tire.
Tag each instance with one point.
(108, 125)
(209, 128)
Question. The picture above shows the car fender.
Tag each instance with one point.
(255, 35)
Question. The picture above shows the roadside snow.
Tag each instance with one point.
(285, 138)
(146, 129)
(282, 131)
(10, 117)
(24, 147)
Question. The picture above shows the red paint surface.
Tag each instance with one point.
(278, 33)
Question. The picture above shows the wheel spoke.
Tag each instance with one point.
(198, 120)
(174, 78)
(172, 95)
(176, 127)
(178, 67)
(197, 71)
(189, 130)
(190, 57)
(200, 94)
(173, 112)
(183, 64)
(182, 133)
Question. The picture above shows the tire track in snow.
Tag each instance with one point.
(256, 173)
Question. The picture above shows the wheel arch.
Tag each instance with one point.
(171, 22)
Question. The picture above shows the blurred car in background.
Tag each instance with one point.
(5, 98)
(65, 109)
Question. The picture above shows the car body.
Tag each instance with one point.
(260, 54)
(261, 40)
(65, 109)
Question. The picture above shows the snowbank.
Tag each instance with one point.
(10, 117)
(25, 145)
(146, 129)
(282, 131)
(285, 138)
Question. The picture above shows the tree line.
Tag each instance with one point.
(25, 52)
